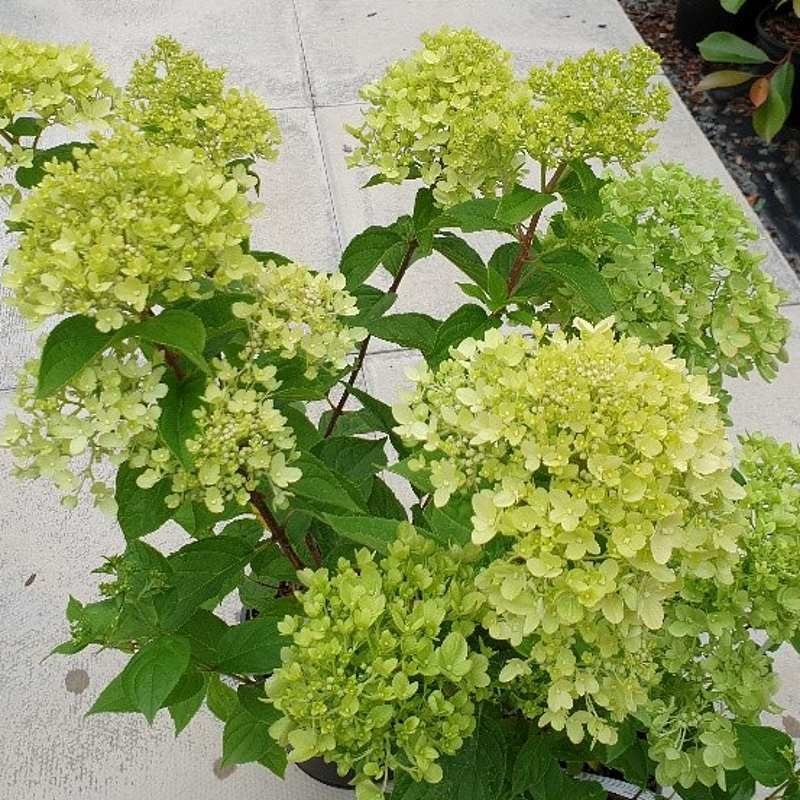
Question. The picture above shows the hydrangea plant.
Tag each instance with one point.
(576, 585)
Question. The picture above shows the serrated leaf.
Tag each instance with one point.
(724, 46)
(355, 459)
(762, 749)
(320, 489)
(468, 321)
(722, 78)
(244, 739)
(459, 253)
(221, 700)
(532, 765)
(174, 329)
(382, 412)
(451, 522)
(201, 570)
(419, 479)
(475, 215)
(140, 511)
(73, 344)
(382, 502)
(371, 532)
(412, 330)
(365, 252)
(183, 711)
(252, 647)
(577, 271)
(520, 204)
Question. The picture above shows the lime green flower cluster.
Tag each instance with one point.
(177, 99)
(55, 83)
(380, 676)
(239, 441)
(607, 465)
(133, 224)
(689, 275)
(95, 418)
(297, 312)
(453, 113)
(45, 84)
(769, 572)
(596, 106)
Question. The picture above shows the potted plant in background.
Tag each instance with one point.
(696, 19)
(567, 604)
(774, 92)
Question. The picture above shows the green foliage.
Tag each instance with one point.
(724, 46)
(583, 567)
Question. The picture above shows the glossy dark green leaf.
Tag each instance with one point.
(355, 459)
(411, 330)
(770, 117)
(265, 256)
(321, 489)
(371, 532)
(244, 739)
(580, 274)
(468, 321)
(252, 647)
(28, 177)
(183, 711)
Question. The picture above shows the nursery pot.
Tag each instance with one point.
(695, 19)
(777, 32)
(323, 772)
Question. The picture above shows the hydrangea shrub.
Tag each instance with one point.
(590, 576)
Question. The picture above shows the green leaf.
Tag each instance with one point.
(383, 412)
(71, 345)
(175, 329)
(26, 126)
(265, 256)
(475, 215)
(383, 503)
(723, 77)
(28, 177)
(200, 572)
(732, 6)
(221, 700)
(425, 212)
(140, 511)
(476, 772)
(458, 252)
(412, 330)
(724, 46)
(351, 423)
(204, 630)
(419, 479)
(372, 532)
(532, 765)
(452, 521)
(521, 203)
(320, 489)
(763, 750)
(245, 739)
(372, 304)
(468, 321)
(253, 647)
(365, 252)
(577, 271)
(356, 459)
(771, 116)
(148, 678)
(183, 711)
(305, 432)
(177, 422)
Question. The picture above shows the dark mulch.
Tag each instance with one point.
(768, 175)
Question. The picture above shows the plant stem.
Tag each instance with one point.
(525, 245)
(362, 351)
(174, 363)
(8, 137)
(274, 527)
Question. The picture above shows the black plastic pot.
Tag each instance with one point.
(696, 19)
(776, 50)
(323, 772)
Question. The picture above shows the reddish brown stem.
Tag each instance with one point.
(362, 351)
(527, 240)
(174, 363)
(274, 527)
